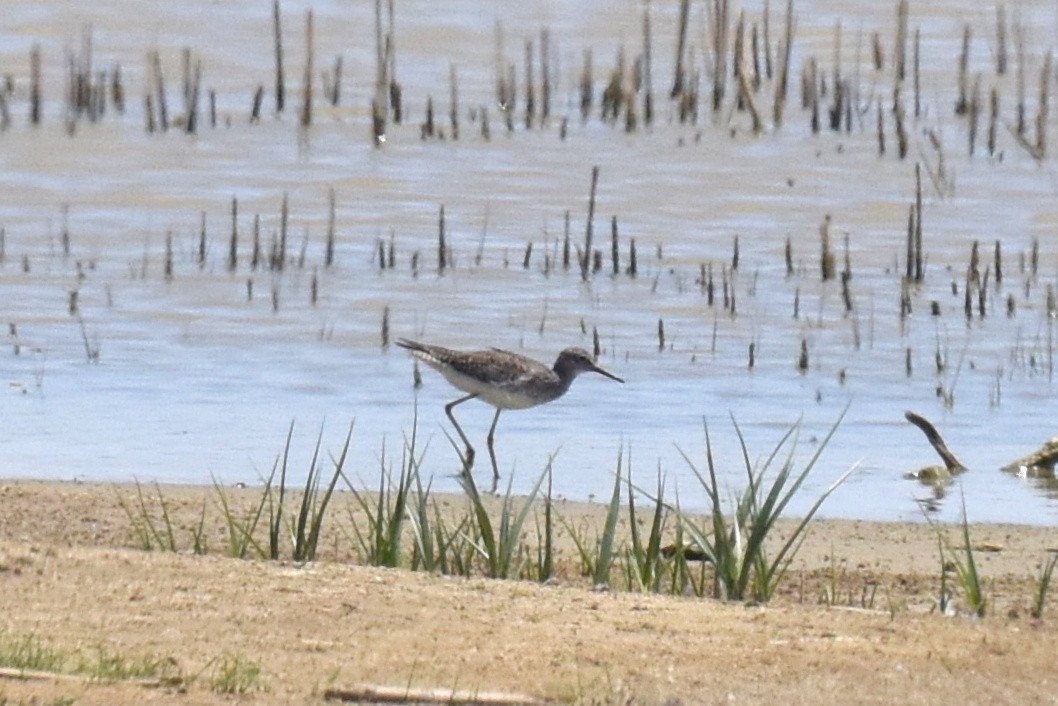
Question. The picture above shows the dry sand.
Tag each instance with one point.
(70, 575)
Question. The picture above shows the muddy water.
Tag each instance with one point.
(195, 379)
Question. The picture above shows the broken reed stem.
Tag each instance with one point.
(919, 265)
(721, 29)
(785, 47)
(615, 257)
(442, 248)
(202, 242)
(962, 104)
(530, 92)
(678, 78)
(585, 263)
(1041, 115)
(827, 253)
(233, 244)
(34, 85)
(648, 82)
(306, 86)
(278, 37)
(328, 258)
(453, 101)
(280, 260)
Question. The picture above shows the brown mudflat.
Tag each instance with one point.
(71, 577)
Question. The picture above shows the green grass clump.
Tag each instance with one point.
(234, 675)
(107, 665)
(150, 533)
(501, 546)
(961, 561)
(29, 653)
(736, 546)
(1043, 585)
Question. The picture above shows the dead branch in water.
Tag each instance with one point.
(935, 440)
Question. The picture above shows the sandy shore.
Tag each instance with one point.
(72, 578)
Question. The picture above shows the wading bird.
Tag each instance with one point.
(503, 379)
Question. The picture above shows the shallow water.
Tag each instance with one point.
(194, 380)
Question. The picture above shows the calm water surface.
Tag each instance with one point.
(194, 379)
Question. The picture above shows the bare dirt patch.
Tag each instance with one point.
(70, 578)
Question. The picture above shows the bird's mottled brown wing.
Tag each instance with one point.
(501, 368)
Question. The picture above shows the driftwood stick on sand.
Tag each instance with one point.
(369, 693)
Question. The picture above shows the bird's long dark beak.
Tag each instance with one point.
(610, 375)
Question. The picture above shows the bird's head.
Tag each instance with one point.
(574, 361)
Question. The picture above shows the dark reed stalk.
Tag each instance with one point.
(596, 348)
(159, 86)
(279, 255)
(648, 82)
(877, 53)
(255, 107)
(233, 243)
(901, 130)
(255, 254)
(755, 57)
(826, 259)
(974, 113)
(545, 75)
(64, 236)
(277, 35)
(191, 120)
(34, 85)
(788, 256)
(167, 268)
(565, 242)
(962, 105)
(380, 250)
(306, 81)
(5, 112)
(909, 274)
(917, 74)
(768, 66)
(661, 335)
(813, 93)
(752, 354)
(785, 47)
(328, 257)
(442, 248)
(998, 264)
(881, 131)
(202, 241)
(585, 263)
(734, 255)
(528, 255)
(1042, 110)
(993, 120)
(212, 108)
(919, 263)
(679, 74)
(1001, 39)
(530, 88)
(1019, 78)
(500, 68)
(615, 256)
(710, 287)
(721, 31)
(907, 362)
(802, 360)
(385, 327)
(632, 266)
(900, 51)
(453, 100)
(587, 92)
(314, 286)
